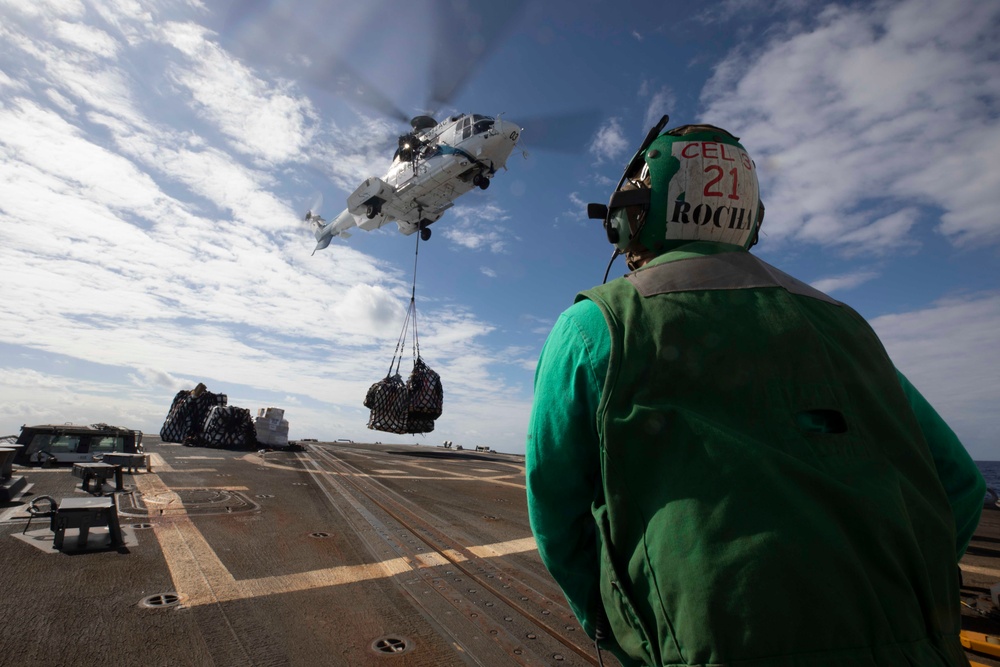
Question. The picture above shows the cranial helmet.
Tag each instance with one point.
(692, 183)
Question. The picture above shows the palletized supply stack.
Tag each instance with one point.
(199, 418)
(271, 427)
(186, 419)
(228, 427)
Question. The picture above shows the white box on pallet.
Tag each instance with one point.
(271, 413)
(273, 432)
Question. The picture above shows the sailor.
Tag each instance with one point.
(723, 464)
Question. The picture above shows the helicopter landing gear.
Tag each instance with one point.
(484, 183)
(373, 210)
(425, 234)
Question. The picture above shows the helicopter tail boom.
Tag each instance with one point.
(325, 231)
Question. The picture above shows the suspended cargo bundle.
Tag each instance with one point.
(426, 395)
(411, 407)
(228, 427)
(389, 403)
(188, 412)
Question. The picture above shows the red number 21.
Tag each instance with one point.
(719, 173)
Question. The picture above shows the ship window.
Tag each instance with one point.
(107, 443)
(55, 443)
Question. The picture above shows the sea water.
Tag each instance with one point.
(991, 473)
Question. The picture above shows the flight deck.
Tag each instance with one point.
(340, 554)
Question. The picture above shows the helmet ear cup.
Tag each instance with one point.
(760, 221)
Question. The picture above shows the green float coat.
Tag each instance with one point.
(766, 491)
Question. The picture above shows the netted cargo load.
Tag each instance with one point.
(389, 402)
(411, 407)
(425, 393)
(176, 426)
(229, 427)
(188, 412)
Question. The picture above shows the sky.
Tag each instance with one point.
(157, 158)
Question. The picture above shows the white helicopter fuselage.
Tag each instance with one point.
(436, 164)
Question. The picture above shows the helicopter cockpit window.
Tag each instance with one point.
(481, 124)
(466, 126)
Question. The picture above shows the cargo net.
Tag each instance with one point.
(410, 407)
(229, 427)
(201, 418)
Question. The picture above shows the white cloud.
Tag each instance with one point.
(31, 397)
(370, 308)
(87, 37)
(488, 272)
(874, 109)
(259, 119)
(609, 143)
(729, 10)
(479, 227)
(46, 8)
(948, 352)
(151, 377)
(577, 210)
(843, 282)
(660, 101)
(351, 155)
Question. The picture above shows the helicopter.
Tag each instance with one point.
(434, 164)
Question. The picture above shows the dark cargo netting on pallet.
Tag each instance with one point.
(229, 427)
(187, 415)
(201, 418)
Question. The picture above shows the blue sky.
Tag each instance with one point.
(157, 157)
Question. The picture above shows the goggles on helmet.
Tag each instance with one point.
(615, 213)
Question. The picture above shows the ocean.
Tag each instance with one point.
(991, 473)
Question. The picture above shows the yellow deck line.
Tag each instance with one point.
(504, 548)
(975, 569)
(159, 464)
(201, 578)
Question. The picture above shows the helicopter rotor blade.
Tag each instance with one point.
(295, 44)
(339, 78)
(569, 132)
(467, 34)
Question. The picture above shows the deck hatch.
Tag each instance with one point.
(186, 502)
(391, 645)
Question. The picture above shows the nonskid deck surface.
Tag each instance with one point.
(343, 554)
